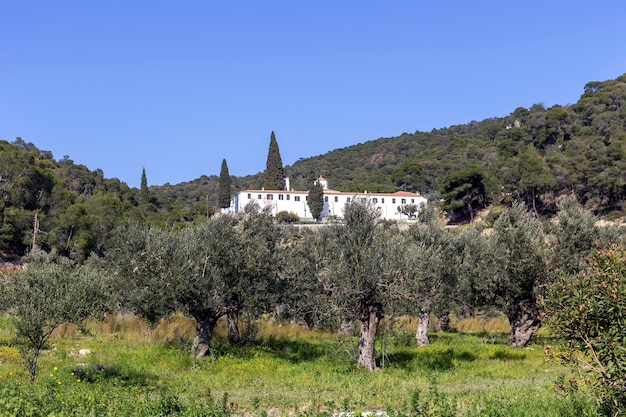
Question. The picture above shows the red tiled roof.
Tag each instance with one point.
(329, 191)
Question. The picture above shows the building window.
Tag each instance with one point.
(249, 196)
(382, 200)
(412, 200)
(270, 196)
(393, 201)
(325, 199)
(296, 198)
(375, 200)
(260, 196)
(404, 201)
(281, 197)
(363, 199)
(336, 199)
(288, 196)
(348, 200)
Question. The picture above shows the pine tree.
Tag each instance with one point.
(144, 195)
(224, 186)
(274, 175)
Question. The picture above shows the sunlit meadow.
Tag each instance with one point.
(124, 367)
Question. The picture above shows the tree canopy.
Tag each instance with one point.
(224, 190)
(274, 173)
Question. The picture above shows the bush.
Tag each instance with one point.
(286, 217)
(50, 292)
(588, 311)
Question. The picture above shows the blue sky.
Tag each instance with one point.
(175, 87)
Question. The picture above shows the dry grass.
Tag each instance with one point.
(493, 325)
(178, 328)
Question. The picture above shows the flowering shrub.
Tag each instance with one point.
(589, 312)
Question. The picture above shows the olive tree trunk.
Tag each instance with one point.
(443, 322)
(369, 319)
(232, 320)
(202, 339)
(524, 320)
(422, 328)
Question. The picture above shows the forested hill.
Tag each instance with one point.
(534, 154)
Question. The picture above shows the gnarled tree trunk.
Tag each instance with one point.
(232, 320)
(422, 328)
(202, 339)
(524, 320)
(369, 317)
(443, 322)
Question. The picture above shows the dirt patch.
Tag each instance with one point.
(10, 267)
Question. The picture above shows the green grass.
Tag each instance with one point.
(285, 370)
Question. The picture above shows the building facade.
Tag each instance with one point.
(291, 201)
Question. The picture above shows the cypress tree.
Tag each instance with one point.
(315, 198)
(274, 175)
(224, 186)
(144, 195)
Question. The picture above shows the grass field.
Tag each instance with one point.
(282, 370)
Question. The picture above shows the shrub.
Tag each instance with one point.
(286, 217)
(588, 311)
(47, 294)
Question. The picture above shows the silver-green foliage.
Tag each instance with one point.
(48, 292)
(222, 266)
(521, 267)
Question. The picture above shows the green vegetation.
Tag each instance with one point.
(224, 190)
(534, 155)
(588, 311)
(315, 199)
(274, 174)
(223, 266)
(132, 370)
(48, 293)
(144, 193)
(234, 289)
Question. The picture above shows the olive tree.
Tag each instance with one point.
(575, 234)
(49, 291)
(426, 272)
(520, 268)
(139, 259)
(475, 288)
(215, 269)
(253, 288)
(354, 277)
(305, 262)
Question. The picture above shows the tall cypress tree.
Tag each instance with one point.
(224, 186)
(315, 199)
(274, 174)
(144, 195)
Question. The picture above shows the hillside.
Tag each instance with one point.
(532, 154)
(535, 155)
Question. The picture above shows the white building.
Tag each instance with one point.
(334, 201)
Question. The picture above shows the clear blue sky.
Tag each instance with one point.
(175, 86)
